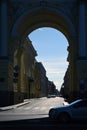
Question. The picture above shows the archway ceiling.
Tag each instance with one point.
(41, 18)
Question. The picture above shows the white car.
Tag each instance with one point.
(76, 110)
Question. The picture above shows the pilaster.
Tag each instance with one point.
(82, 30)
(4, 33)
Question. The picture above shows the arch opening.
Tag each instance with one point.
(51, 46)
(39, 18)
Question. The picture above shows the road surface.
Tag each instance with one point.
(34, 115)
(36, 108)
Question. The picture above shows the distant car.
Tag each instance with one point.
(51, 96)
(76, 110)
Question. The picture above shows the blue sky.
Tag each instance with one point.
(51, 46)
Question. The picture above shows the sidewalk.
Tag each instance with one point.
(14, 106)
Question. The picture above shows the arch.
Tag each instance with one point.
(48, 17)
(42, 17)
(25, 17)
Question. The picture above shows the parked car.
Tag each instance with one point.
(77, 110)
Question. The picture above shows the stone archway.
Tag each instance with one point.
(41, 17)
(48, 17)
(21, 18)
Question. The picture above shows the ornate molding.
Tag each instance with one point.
(17, 7)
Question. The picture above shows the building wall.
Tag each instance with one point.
(43, 79)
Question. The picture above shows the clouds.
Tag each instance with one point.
(51, 46)
(56, 69)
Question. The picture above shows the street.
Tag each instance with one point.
(34, 115)
(36, 108)
(41, 124)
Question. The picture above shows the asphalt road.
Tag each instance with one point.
(34, 115)
(36, 108)
(41, 124)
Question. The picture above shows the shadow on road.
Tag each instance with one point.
(42, 124)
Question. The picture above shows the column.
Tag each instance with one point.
(3, 45)
(82, 31)
(4, 62)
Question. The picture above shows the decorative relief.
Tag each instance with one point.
(17, 7)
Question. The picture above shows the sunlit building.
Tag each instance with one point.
(43, 79)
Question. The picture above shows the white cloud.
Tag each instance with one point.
(58, 84)
(55, 70)
(41, 29)
(58, 72)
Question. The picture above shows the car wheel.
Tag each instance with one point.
(51, 114)
(64, 118)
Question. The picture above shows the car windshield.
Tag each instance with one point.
(74, 102)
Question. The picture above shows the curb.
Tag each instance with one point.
(13, 106)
